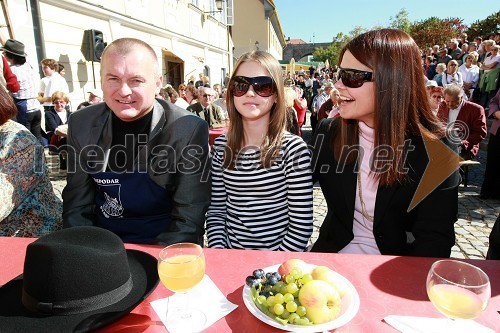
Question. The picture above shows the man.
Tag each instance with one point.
(205, 109)
(136, 163)
(27, 105)
(467, 119)
(322, 97)
(52, 82)
(443, 57)
(94, 98)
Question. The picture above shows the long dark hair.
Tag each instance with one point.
(7, 107)
(277, 121)
(402, 109)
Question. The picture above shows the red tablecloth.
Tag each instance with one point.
(215, 133)
(386, 285)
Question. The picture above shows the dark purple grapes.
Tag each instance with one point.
(250, 280)
(272, 280)
(277, 275)
(268, 275)
(258, 273)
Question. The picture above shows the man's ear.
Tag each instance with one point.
(159, 82)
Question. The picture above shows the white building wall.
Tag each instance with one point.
(174, 25)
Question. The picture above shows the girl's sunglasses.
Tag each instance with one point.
(262, 85)
(354, 78)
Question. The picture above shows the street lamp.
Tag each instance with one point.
(257, 45)
(219, 5)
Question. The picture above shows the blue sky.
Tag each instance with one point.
(325, 18)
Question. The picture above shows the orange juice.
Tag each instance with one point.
(456, 302)
(182, 272)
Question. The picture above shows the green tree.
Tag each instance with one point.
(436, 31)
(481, 28)
(401, 21)
(331, 53)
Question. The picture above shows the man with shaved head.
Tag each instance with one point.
(136, 163)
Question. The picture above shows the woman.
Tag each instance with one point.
(452, 75)
(440, 68)
(191, 94)
(300, 106)
(292, 123)
(29, 207)
(385, 115)
(436, 96)
(470, 74)
(54, 121)
(261, 177)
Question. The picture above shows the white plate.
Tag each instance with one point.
(349, 308)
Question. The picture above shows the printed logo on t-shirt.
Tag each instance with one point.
(112, 207)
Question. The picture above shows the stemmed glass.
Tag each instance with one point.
(181, 267)
(458, 290)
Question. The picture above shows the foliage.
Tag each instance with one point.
(434, 30)
(401, 21)
(482, 28)
(331, 53)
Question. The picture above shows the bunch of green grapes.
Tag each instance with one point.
(278, 298)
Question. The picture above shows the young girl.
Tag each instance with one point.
(261, 178)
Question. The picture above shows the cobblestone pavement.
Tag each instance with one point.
(475, 216)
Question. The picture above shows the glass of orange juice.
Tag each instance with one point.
(458, 289)
(181, 266)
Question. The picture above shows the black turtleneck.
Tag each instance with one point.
(128, 138)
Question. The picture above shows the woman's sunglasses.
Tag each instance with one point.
(262, 85)
(353, 78)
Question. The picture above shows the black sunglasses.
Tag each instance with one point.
(353, 78)
(263, 86)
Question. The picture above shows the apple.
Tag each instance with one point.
(324, 273)
(290, 264)
(321, 300)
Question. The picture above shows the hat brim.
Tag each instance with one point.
(15, 318)
(14, 53)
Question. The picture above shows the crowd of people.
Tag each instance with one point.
(139, 162)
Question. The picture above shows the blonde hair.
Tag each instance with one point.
(289, 96)
(277, 121)
(59, 95)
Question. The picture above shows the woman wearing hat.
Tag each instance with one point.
(27, 105)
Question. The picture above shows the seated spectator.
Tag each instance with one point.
(53, 119)
(205, 109)
(191, 94)
(332, 104)
(466, 119)
(470, 74)
(489, 79)
(440, 69)
(173, 97)
(429, 67)
(221, 102)
(443, 57)
(95, 96)
(29, 207)
(452, 75)
(435, 95)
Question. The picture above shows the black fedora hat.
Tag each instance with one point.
(76, 280)
(15, 47)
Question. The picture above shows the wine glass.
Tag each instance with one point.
(458, 290)
(181, 267)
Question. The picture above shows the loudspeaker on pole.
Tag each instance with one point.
(93, 45)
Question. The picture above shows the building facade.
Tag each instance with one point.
(189, 36)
